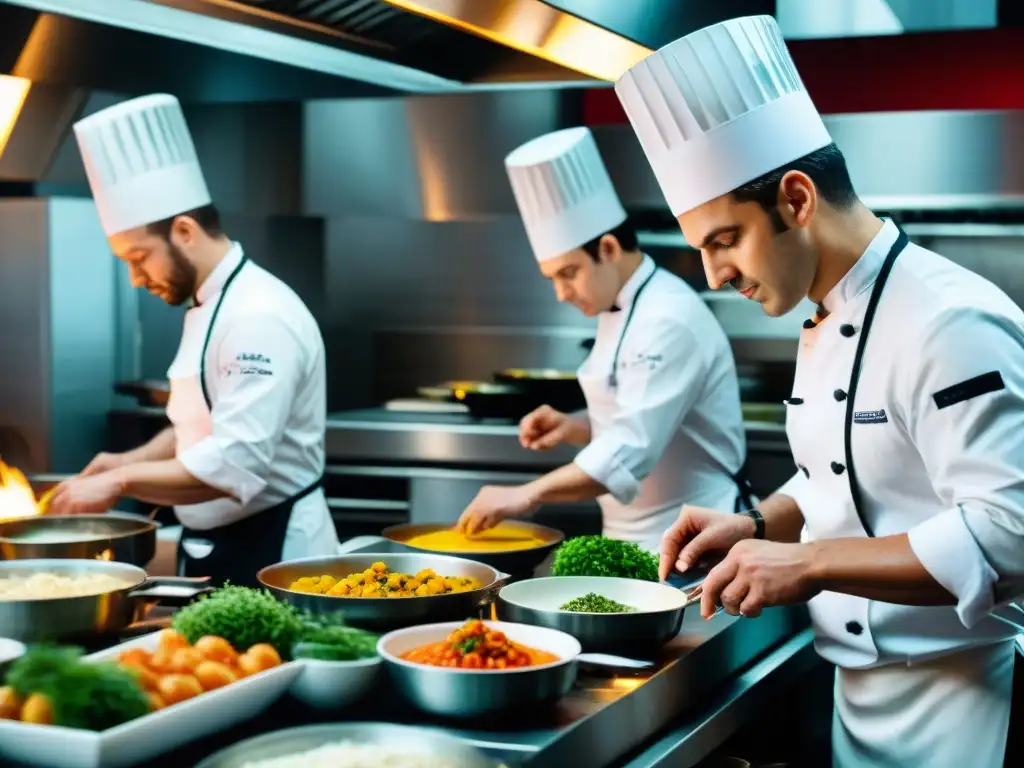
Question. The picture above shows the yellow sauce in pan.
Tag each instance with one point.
(500, 538)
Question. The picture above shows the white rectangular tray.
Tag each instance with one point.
(139, 740)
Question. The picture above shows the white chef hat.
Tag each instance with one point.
(141, 162)
(563, 191)
(719, 108)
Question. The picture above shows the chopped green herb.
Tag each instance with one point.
(601, 556)
(595, 603)
(469, 645)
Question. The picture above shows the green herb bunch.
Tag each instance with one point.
(595, 603)
(329, 639)
(601, 556)
(243, 617)
(88, 695)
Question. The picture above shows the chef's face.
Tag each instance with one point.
(156, 263)
(589, 285)
(767, 256)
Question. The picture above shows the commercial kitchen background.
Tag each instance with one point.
(375, 187)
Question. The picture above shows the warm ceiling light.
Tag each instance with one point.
(533, 27)
(13, 92)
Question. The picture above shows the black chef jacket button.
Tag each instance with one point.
(804, 470)
(808, 324)
(794, 401)
(837, 467)
(847, 330)
(854, 627)
(839, 395)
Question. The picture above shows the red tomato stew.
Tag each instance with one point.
(475, 646)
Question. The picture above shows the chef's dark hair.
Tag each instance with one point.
(207, 217)
(827, 169)
(625, 233)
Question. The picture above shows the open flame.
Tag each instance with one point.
(17, 499)
(106, 555)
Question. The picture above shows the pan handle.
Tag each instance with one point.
(172, 590)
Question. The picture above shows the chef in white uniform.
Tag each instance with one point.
(663, 424)
(906, 419)
(243, 462)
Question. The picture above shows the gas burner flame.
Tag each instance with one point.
(17, 499)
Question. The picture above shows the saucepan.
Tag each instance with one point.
(119, 536)
(515, 561)
(655, 620)
(29, 615)
(383, 614)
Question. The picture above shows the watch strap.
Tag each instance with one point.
(758, 522)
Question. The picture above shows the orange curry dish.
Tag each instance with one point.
(474, 646)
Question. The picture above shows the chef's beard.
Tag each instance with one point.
(181, 282)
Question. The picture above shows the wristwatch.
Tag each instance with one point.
(758, 522)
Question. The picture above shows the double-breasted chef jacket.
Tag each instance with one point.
(937, 438)
(664, 408)
(248, 406)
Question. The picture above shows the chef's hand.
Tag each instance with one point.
(85, 495)
(103, 462)
(544, 428)
(701, 534)
(493, 504)
(759, 574)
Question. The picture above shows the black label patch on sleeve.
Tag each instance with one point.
(967, 390)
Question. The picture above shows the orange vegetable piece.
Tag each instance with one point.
(175, 688)
(185, 660)
(37, 709)
(148, 679)
(213, 674)
(155, 701)
(171, 640)
(136, 657)
(217, 649)
(259, 658)
(10, 704)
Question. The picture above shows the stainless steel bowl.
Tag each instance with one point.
(118, 536)
(473, 693)
(518, 562)
(294, 741)
(77, 618)
(382, 614)
(657, 617)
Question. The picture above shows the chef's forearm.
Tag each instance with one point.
(159, 448)
(567, 483)
(884, 569)
(165, 483)
(579, 429)
(783, 520)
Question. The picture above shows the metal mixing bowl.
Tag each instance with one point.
(469, 693)
(657, 618)
(383, 614)
(518, 562)
(293, 741)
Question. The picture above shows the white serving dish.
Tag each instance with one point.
(335, 684)
(140, 740)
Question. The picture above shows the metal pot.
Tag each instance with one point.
(469, 693)
(656, 620)
(383, 614)
(118, 536)
(61, 619)
(518, 562)
(294, 741)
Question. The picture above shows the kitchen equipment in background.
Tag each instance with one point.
(518, 562)
(470, 693)
(383, 614)
(86, 617)
(149, 393)
(295, 741)
(657, 617)
(118, 536)
(546, 386)
(482, 399)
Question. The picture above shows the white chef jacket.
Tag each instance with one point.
(671, 431)
(938, 456)
(266, 375)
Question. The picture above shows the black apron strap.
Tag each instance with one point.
(745, 493)
(241, 549)
(209, 331)
(869, 317)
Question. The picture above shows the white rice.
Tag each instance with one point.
(347, 754)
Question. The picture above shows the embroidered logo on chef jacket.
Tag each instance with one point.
(641, 360)
(247, 364)
(870, 417)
